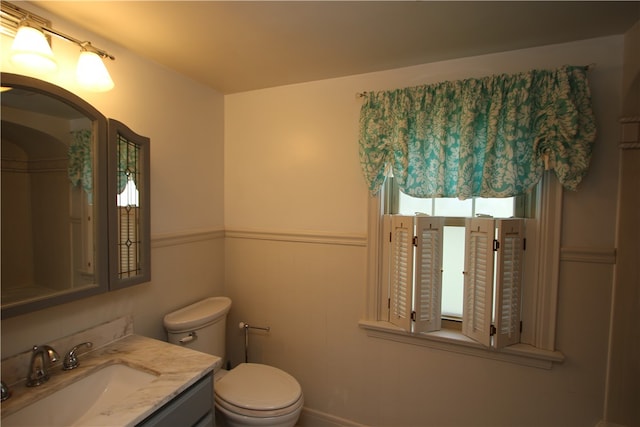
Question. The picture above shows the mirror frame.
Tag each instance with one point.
(101, 266)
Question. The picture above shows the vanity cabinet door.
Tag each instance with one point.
(193, 407)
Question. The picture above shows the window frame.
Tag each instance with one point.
(540, 287)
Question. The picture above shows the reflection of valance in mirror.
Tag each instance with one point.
(80, 161)
(80, 166)
(128, 166)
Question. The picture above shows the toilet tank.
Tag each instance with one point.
(200, 326)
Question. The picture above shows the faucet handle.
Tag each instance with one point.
(71, 358)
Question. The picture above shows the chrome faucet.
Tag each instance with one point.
(41, 357)
(5, 392)
(71, 358)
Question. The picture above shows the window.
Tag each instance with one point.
(453, 212)
(429, 257)
(523, 325)
(496, 136)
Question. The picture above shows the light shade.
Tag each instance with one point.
(92, 74)
(31, 49)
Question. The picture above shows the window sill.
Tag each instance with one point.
(452, 340)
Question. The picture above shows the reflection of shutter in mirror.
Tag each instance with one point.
(128, 208)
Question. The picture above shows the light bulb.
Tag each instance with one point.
(92, 74)
(31, 49)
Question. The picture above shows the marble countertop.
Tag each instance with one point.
(177, 368)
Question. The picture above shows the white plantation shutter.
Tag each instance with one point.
(401, 271)
(385, 296)
(509, 263)
(428, 276)
(414, 250)
(478, 280)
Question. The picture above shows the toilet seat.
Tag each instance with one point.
(249, 413)
(257, 390)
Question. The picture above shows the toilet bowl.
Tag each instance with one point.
(251, 394)
(258, 395)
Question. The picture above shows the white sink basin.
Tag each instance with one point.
(83, 399)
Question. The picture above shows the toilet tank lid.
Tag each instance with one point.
(197, 315)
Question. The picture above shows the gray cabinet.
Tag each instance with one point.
(193, 407)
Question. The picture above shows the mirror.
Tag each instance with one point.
(129, 203)
(54, 227)
(75, 199)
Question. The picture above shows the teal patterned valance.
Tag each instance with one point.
(81, 161)
(488, 137)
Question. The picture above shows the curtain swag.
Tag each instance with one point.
(487, 137)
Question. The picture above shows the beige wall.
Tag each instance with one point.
(623, 381)
(184, 121)
(293, 183)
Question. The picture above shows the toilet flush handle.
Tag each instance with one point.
(191, 337)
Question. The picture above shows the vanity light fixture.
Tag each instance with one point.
(91, 72)
(31, 48)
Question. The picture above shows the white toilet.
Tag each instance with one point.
(250, 394)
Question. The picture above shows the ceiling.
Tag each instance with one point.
(235, 46)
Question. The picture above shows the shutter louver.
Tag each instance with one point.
(509, 281)
(428, 277)
(478, 280)
(401, 271)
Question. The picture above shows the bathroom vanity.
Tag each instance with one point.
(157, 383)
